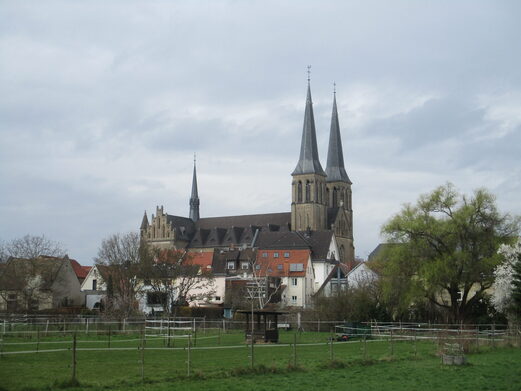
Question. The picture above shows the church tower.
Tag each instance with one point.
(194, 198)
(338, 191)
(308, 206)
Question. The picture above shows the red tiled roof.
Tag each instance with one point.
(79, 270)
(203, 259)
(270, 264)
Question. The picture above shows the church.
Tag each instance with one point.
(321, 202)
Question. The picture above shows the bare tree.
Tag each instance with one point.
(30, 247)
(265, 286)
(174, 279)
(122, 254)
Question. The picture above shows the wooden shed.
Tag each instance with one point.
(265, 325)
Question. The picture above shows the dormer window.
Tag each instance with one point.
(230, 265)
(245, 265)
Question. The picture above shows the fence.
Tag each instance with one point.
(184, 347)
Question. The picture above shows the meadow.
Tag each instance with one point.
(222, 361)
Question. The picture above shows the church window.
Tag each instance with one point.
(335, 195)
(299, 191)
(327, 197)
(342, 252)
(308, 191)
(342, 200)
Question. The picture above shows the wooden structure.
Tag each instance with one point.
(265, 325)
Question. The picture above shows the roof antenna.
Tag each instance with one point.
(309, 73)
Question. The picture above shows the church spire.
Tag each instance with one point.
(194, 198)
(144, 223)
(309, 162)
(335, 169)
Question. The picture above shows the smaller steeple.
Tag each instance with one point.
(335, 169)
(144, 223)
(194, 198)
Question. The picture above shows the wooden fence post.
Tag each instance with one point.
(143, 342)
(392, 344)
(331, 355)
(295, 349)
(188, 363)
(365, 347)
(73, 379)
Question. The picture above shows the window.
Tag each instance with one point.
(156, 298)
(279, 266)
(230, 265)
(275, 255)
(257, 267)
(217, 298)
(286, 255)
(264, 255)
(296, 267)
(245, 265)
(94, 285)
(308, 191)
(299, 191)
(294, 281)
(293, 299)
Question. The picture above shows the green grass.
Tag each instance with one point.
(356, 366)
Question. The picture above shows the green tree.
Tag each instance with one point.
(447, 250)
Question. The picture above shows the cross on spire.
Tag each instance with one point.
(309, 73)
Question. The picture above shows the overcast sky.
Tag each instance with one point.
(102, 105)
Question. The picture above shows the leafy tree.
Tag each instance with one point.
(447, 250)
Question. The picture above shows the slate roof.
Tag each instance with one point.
(317, 241)
(335, 169)
(309, 162)
(222, 257)
(229, 231)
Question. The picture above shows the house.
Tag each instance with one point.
(94, 286)
(41, 283)
(294, 269)
(80, 271)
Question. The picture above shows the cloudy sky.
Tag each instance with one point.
(103, 104)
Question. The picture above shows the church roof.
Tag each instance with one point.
(335, 169)
(309, 162)
(317, 241)
(275, 220)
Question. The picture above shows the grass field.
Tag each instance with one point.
(222, 362)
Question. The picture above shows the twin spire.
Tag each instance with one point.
(309, 162)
